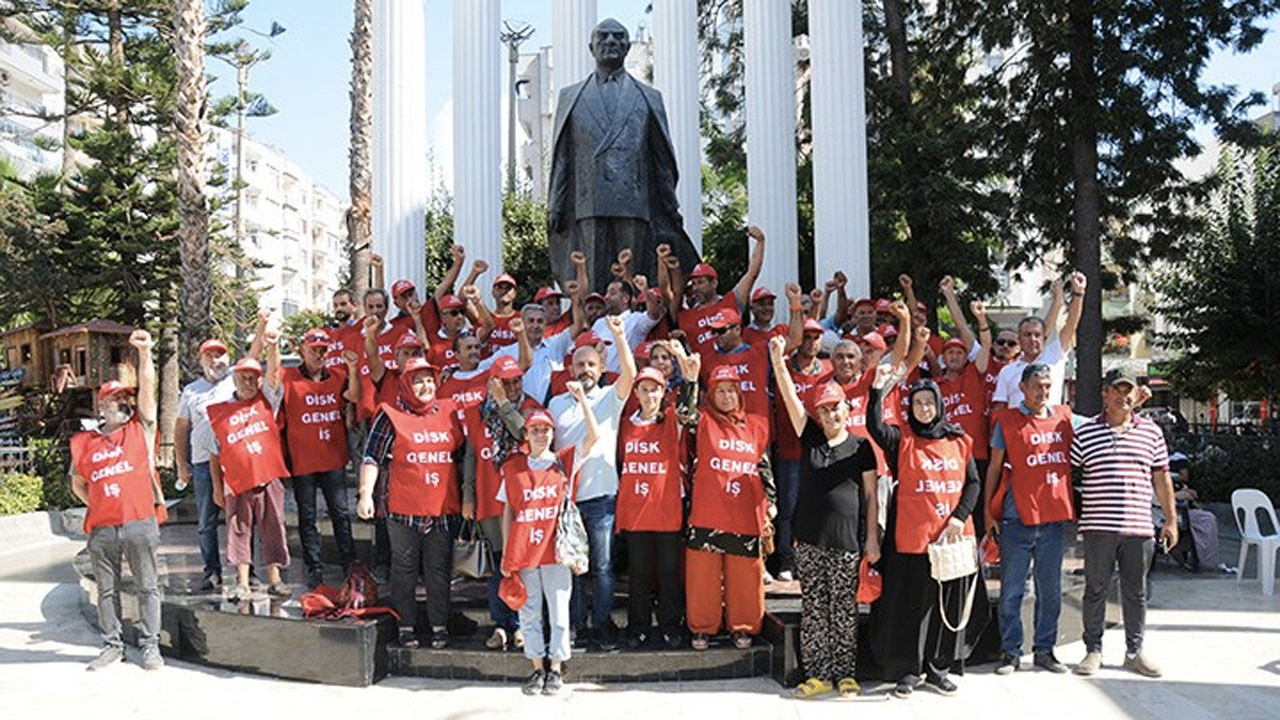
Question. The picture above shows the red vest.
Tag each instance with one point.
(965, 399)
(649, 477)
(423, 477)
(118, 469)
(557, 326)
(502, 334)
(430, 318)
(368, 393)
(753, 373)
(466, 393)
(857, 393)
(787, 443)
(931, 475)
(347, 337)
(249, 449)
(694, 323)
(534, 497)
(440, 352)
(313, 424)
(488, 476)
(728, 494)
(756, 336)
(1039, 451)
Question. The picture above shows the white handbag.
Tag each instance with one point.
(952, 561)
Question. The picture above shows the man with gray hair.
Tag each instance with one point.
(548, 352)
(1041, 345)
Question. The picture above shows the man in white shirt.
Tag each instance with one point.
(1031, 337)
(597, 479)
(547, 352)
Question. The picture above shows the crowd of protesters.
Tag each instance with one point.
(718, 443)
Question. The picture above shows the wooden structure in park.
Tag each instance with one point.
(83, 355)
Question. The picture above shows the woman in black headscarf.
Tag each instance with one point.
(937, 489)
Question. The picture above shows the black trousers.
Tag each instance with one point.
(650, 556)
(414, 554)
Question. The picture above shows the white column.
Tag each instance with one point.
(675, 74)
(477, 131)
(400, 139)
(837, 97)
(571, 25)
(771, 135)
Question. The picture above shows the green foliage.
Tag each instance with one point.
(19, 493)
(1223, 290)
(1223, 463)
(524, 245)
(50, 460)
(297, 324)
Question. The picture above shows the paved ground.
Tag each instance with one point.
(1218, 641)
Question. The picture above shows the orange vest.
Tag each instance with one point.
(423, 476)
(1039, 451)
(118, 470)
(931, 475)
(534, 497)
(249, 449)
(313, 424)
(728, 494)
(649, 477)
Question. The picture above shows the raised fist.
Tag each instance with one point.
(755, 233)
(624, 257)
(777, 344)
(922, 334)
(264, 314)
(615, 324)
(141, 339)
(479, 267)
(375, 260)
(571, 287)
(793, 293)
(899, 310)
(578, 259)
(271, 337)
(617, 271)
(516, 325)
(978, 308)
(642, 283)
(948, 285)
(815, 295)
(371, 325)
(841, 279)
(350, 358)
(458, 253)
(905, 281)
(664, 250)
(471, 293)
(831, 285)
(574, 387)
(1078, 282)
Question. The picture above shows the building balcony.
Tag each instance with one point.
(31, 65)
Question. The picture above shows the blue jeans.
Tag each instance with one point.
(207, 529)
(597, 515)
(333, 484)
(1019, 546)
(787, 475)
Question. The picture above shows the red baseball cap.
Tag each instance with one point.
(213, 346)
(763, 293)
(316, 337)
(703, 270)
(651, 373)
(594, 296)
(874, 339)
(724, 319)
(864, 301)
(953, 343)
(417, 365)
(887, 331)
(642, 350)
(724, 373)
(538, 416)
(451, 302)
(409, 339)
(883, 305)
(828, 393)
(401, 287)
(505, 278)
(247, 365)
(506, 368)
(547, 293)
(811, 326)
(114, 387)
(589, 339)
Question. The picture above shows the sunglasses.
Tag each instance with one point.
(452, 313)
(1007, 342)
(723, 330)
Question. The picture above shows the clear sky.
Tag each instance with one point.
(307, 79)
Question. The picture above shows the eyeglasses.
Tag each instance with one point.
(723, 330)
(1007, 343)
(452, 313)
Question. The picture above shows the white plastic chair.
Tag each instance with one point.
(1245, 504)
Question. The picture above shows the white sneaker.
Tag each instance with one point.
(768, 579)
(786, 576)
(498, 640)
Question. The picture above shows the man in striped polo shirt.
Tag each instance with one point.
(1124, 459)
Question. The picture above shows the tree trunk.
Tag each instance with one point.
(895, 28)
(1087, 206)
(359, 216)
(68, 47)
(115, 53)
(170, 387)
(196, 296)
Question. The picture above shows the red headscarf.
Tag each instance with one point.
(404, 382)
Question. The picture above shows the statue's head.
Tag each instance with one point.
(610, 43)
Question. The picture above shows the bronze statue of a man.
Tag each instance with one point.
(613, 170)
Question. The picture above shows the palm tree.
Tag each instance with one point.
(359, 216)
(196, 295)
